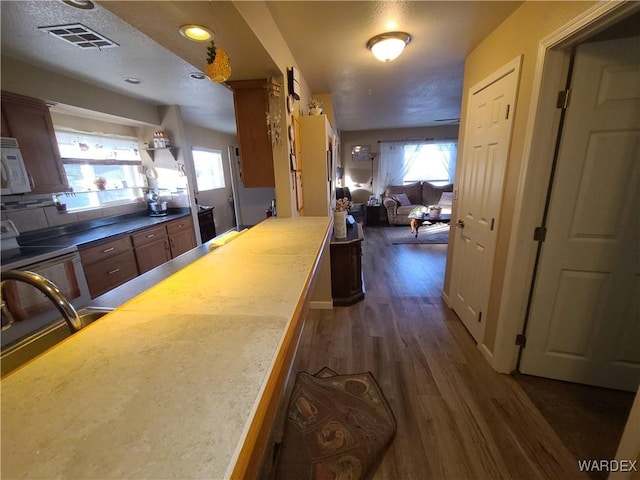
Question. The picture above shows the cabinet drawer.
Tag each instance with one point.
(105, 250)
(176, 226)
(149, 235)
(111, 272)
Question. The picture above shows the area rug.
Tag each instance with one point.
(338, 426)
(401, 234)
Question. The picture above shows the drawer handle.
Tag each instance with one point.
(180, 225)
(109, 250)
(115, 270)
(151, 235)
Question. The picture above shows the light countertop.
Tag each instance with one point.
(167, 385)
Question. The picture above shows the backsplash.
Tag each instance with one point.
(33, 212)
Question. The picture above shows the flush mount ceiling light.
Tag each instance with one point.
(388, 46)
(197, 33)
(81, 4)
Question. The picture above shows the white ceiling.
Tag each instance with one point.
(327, 39)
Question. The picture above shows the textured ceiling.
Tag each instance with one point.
(326, 38)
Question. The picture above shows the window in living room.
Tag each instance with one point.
(406, 162)
(433, 162)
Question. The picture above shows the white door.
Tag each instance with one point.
(584, 324)
(486, 147)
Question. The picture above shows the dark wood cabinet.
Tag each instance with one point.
(372, 215)
(181, 237)
(151, 248)
(346, 267)
(256, 156)
(108, 265)
(29, 121)
(206, 224)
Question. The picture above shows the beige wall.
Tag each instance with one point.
(360, 171)
(520, 34)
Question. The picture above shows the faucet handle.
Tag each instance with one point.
(7, 317)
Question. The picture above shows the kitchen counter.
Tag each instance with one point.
(183, 380)
(87, 232)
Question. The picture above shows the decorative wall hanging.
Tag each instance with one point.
(218, 66)
(273, 128)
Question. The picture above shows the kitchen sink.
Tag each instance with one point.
(24, 350)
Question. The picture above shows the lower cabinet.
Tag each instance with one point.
(151, 248)
(108, 265)
(346, 268)
(181, 237)
(111, 263)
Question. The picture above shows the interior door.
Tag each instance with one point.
(486, 147)
(584, 325)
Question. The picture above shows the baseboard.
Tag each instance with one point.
(486, 353)
(321, 305)
(445, 297)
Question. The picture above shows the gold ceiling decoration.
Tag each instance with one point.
(218, 65)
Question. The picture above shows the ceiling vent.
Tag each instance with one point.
(79, 35)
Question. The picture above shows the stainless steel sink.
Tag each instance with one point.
(21, 352)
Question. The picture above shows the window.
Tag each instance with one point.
(102, 170)
(412, 161)
(431, 162)
(208, 166)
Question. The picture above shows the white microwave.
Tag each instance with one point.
(14, 173)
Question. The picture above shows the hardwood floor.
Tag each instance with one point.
(457, 418)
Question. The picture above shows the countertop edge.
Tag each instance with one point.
(247, 459)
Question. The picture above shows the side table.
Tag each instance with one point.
(346, 267)
(372, 216)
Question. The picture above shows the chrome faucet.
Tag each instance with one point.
(50, 290)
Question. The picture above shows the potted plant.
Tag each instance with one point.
(100, 182)
(315, 107)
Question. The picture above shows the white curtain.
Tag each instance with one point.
(410, 161)
(391, 166)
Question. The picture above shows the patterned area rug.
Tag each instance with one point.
(338, 427)
(400, 235)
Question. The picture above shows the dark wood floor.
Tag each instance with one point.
(457, 418)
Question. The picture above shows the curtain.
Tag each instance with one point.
(391, 167)
(411, 161)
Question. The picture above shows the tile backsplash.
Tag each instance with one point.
(38, 211)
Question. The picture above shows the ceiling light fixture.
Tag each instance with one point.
(197, 33)
(133, 80)
(388, 46)
(81, 4)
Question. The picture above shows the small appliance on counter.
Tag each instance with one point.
(155, 207)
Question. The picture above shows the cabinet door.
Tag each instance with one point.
(181, 237)
(28, 120)
(111, 272)
(153, 254)
(256, 154)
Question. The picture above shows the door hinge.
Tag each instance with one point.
(539, 234)
(564, 97)
(493, 222)
(479, 317)
(506, 117)
(521, 340)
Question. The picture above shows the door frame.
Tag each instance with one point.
(552, 63)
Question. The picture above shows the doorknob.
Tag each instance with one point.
(460, 223)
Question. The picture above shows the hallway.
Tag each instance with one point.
(457, 418)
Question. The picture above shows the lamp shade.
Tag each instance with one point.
(388, 46)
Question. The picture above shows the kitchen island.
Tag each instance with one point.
(183, 380)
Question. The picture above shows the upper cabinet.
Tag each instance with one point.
(256, 155)
(28, 120)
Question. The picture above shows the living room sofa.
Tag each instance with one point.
(400, 200)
